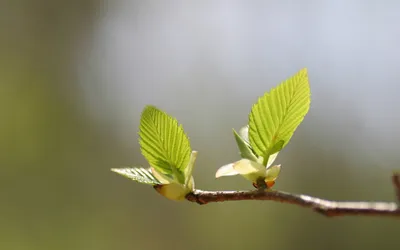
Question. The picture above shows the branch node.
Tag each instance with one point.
(193, 197)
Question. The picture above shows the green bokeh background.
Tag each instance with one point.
(66, 119)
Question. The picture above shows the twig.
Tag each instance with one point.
(396, 183)
(325, 207)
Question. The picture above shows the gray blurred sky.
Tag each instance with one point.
(206, 62)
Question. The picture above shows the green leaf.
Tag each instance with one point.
(190, 167)
(173, 191)
(277, 114)
(244, 148)
(244, 133)
(272, 173)
(164, 143)
(273, 153)
(140, 175)
(276, 148)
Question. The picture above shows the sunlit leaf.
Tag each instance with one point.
(273, 173)
(173, 191)
(162, 178)
(273, 152)
(140, 175)
(226, 170)
(277, 114)
(244, 147)
(189, 169)
(271, 159)
(250, 170)
(244, 133)
(246, 166)
(164, 143)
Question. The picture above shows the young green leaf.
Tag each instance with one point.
(140, 175)
(272, 153)
(164, 143)
(173, 191)
(273, 173)
(189, 169)
(277, 114)
(244, 133)
(244, 148)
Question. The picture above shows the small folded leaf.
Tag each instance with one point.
(164, 143)
(140, 175)
(271, 159)
(190, 185)
(273, 152)
(226, 170)
(244, 148)
(162, 178)
(245, 167)
(276, 148)
(273, 173)
(173, 191)
(244, 133)
(189, 168)
(277, 114)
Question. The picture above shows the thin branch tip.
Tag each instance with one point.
(324, 207)
(396, 184)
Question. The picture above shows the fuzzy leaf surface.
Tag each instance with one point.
(277, 114)
(140, 175)
(163, 142)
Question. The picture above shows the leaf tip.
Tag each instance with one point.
(116, 170)
(226, 170)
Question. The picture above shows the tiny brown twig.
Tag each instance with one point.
(396, 184)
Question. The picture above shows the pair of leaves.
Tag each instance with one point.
(166, 147)
(272, 122)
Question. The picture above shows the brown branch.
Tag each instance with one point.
(396, 184)
(325, 207)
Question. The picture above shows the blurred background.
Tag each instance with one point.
(75, 76)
